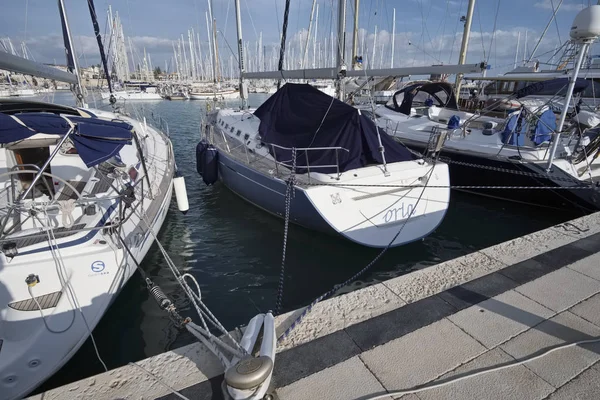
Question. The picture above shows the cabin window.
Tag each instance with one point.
(226, 126)
(222, 122)
(246, 136)
(232, 129)
(239, 132)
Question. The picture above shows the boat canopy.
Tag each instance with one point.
(556, 86)
(301, 116)
(433, 93)
(96, 140)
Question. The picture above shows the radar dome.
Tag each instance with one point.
(586, 24)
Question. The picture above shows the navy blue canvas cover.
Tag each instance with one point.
(556, 86)
(301, 116)
(11, 130)
(96, 140)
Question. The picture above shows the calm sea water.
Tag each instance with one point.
(234, 251)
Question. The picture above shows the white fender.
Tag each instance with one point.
(181, 194)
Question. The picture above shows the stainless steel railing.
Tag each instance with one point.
(301, 153)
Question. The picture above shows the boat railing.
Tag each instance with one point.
(126, 209)
(301, 153)
(296, 154)
(161, 124)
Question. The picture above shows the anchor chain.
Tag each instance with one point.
(289, 191)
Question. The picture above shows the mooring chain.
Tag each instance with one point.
(289, 190)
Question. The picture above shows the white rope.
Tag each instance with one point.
(515, 364)
(66, 208)
(61, 272)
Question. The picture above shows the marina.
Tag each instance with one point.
(325, 229)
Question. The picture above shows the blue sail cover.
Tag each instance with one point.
(96, 140)
(301, 116)
(557, 86)
(11, 130)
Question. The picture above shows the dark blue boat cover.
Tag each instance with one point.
(301, 116)
(556, 86)
(96, 140)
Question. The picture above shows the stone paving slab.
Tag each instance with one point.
(585, 387)
(494, 321)
(517, 383)
(568, 288)
(589, 266)
(338, 313)
(477, 290)
(432, 280)
(589, 310)
(389, 326)
(344, 381)
(421, 356)
(312, 357)
(558, 367)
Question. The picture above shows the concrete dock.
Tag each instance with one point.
(487, 309)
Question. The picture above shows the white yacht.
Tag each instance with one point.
(344, 183)
(83, 193)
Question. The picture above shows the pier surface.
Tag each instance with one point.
(487, 309)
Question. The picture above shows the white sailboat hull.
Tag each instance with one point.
(81, 278)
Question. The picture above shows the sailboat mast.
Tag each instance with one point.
(393, 37)
(286, 15)
(355, 36)
(213, 47)
(314, 63)
(464, 45)
(341, 50)
(304, 55)
(238, 19)
(517, 52)
(70, 52)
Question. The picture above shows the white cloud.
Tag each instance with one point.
(565, 6)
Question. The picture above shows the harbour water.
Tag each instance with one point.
(234, 251)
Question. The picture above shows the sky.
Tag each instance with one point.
(427, 31)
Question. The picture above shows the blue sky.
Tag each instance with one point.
(427, 31)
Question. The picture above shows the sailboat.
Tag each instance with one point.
(213, 91)
(347, 177)
(527, 151)
(80, 207)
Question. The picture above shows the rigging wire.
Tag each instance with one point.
(556, 23)
(455, 34)
(493, 34)
(480, 30)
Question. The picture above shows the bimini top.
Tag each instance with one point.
(96, 140)
(432, 93)
(301, 116)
